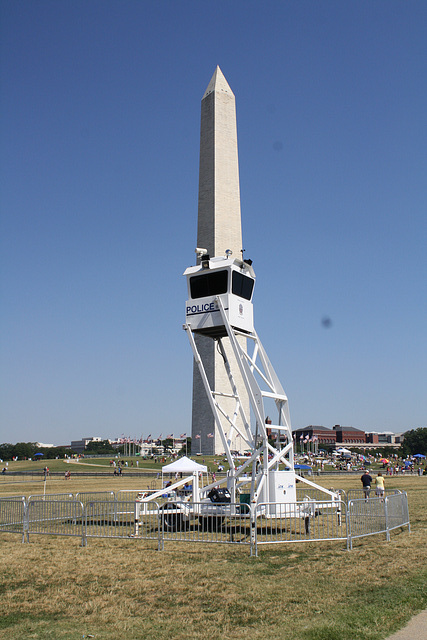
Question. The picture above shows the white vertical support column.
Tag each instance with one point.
(253, 516)
(208, 393)
(196, 491)
(386, 519)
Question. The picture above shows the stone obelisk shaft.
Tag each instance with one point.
(219, 221)
(219, 228)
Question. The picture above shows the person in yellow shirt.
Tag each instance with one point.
(379, 485)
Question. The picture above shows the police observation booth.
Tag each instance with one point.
(219, 304)
(230, 280)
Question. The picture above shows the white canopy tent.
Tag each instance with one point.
(184, 465)
(188, 468)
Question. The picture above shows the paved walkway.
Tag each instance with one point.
(416, 629)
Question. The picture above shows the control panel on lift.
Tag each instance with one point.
(232, 281)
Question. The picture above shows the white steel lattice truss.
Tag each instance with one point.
(261, 383)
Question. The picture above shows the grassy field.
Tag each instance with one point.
(115, 589)
(103, 464)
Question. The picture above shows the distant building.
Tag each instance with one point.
(372, 438)
(146, 447)
(384, 437)
(349, 435)
(79, 446)
(324, 435)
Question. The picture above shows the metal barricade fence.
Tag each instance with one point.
(122, 519)
(397, 512)
(304, 492)
(304, 521)
(126, 495)
(358, 494)
(12, 511)
(110, 519)
(90, 496)
(366, 517)
(226, 523)
(51, 496)
(125, 499)
(132, 495)
(147, 522)
(11, 477)
(54, 517)
(377, 515)
(206, 522)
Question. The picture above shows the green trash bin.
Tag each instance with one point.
(245, 499)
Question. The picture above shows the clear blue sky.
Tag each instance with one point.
(100, 106)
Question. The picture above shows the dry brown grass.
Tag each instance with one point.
(54, 589)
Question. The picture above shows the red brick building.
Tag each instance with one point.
(323, 434)
(349, 435)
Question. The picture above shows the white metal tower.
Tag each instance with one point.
(219, 305)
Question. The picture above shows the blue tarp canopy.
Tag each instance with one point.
(419, 455)
(302, 466)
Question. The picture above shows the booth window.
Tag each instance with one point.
(242, 285)
(209, 284)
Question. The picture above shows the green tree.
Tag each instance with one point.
(167, 444)
(6, 451)
(100, 448)
(25, 450)
(55, 452)
(415, 442)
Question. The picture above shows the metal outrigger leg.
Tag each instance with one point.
(261, 383)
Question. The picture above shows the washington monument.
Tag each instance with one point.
(219, 230)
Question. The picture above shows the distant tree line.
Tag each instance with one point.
(415, 442)
(26, 450)
(103, 448)
(22, 450)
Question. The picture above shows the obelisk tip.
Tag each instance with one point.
(218, 83)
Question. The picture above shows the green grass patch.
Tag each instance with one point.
(53, 588)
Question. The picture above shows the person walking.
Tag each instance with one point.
(366, 483)
(379, 485)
